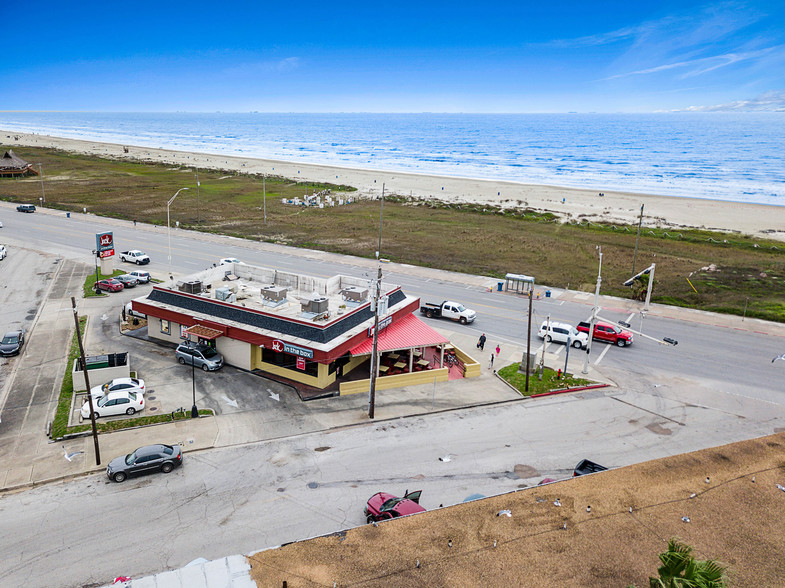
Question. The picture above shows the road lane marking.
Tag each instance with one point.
(629, 318)
(604, 351)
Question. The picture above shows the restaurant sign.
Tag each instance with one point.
(280, 346)
(382, 324)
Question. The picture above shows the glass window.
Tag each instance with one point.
(166, 328)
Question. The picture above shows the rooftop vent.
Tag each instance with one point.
(317, 304)
(274, 293)
(355, 293)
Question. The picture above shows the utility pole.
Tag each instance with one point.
(376, 296)
(198, 209)
(593, 315)
(635, 255)
(41, 173)
(529, 337)
(264, 196)
(87, 382)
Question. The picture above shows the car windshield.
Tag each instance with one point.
(208, 352)
(130, 458)
(103, 400)
(390, 504)
(9, 339)
(460, 307)
(574, 333)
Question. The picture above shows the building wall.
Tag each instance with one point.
(154, 330)
(236, 353)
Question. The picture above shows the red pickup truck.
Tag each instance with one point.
(608, 332)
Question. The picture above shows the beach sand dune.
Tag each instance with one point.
(567, 203)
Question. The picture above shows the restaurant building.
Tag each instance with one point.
(309, 330)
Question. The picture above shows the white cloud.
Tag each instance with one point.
(773, 101)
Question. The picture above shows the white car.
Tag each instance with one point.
(114, 403)
(117, 385)
(229, 260)
(141, 276)
(3, 252)
(563, 333)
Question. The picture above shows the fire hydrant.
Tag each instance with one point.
(558, 374)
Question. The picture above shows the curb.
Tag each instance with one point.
(565, 390)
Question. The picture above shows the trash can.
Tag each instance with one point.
(547, 293)
(67, 215)
(499, 286)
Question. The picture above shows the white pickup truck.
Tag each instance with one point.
(449, 309)
(134, 256)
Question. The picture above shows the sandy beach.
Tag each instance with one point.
(567, 203)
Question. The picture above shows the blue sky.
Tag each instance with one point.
(514, 56)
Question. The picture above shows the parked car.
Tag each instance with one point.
(150, 458)
(562, 333)
(200, 356)
(141, 276)
(587, 467)
(131, 384)
(12, 343)
(608, 332)
(129, 311)
(382, 506)
(111, 285)
(229, 260)
(127, 280)
(1, 224)
(114, 403)
(135, 256)
(25, 208)
(3, 252)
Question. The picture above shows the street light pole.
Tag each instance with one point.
(593, 315)
(41, 174)
(194, 410)
(169, 229)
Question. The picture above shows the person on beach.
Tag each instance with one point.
(481, 342)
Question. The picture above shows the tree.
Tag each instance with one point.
(680, 569)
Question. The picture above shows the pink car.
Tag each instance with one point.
(382, 506)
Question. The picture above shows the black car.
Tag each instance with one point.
(150, 458)
(587, 467)
(12, 342)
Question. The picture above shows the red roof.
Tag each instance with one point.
(405, 333)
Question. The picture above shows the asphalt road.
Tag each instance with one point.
(718, 385)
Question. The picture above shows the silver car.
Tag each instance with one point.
(199, 356)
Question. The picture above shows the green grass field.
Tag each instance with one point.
(730, 273)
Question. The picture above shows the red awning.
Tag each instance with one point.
(203, 332)
(407, 333)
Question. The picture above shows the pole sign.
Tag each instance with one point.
(280, 346)
(382, 324)
(104, 244)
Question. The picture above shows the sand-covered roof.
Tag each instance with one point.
(735, 517)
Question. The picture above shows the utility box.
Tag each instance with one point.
(532, 363)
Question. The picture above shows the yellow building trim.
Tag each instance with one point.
(397, 381)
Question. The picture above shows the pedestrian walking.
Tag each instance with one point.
(134, 222)
(481, 342)
(490, 361)
(498, 351)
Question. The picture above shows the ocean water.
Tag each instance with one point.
(723, 156)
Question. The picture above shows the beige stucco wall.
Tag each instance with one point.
(236, 353)
(154, 330)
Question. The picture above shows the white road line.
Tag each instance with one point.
(604, 351)
(629, 318)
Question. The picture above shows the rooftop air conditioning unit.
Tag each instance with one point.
(274, 293)
(192, 287)
(223, 293)
(316, 305)
(355, 293)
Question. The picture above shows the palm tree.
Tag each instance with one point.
(680, 569)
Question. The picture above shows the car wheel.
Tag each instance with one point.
(429, 313)
(370, 519)
(463, 320)
(621, 342)
(96, 415)
(166, 468)
(130, 411)
(119, 477)
(138, 262)
(181, 360)
(548, 338)
(205, 368)
(576, 344)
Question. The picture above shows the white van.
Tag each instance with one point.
(562, 333)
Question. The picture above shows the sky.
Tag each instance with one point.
(427, 56)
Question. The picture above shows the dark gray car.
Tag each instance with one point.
(127, 280)
(200, 356)
(150, 458)
(12, 343)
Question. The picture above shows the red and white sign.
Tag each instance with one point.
(277, 346)
(300, 363)
(106, 253)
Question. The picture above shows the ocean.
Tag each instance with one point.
(722, 156)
